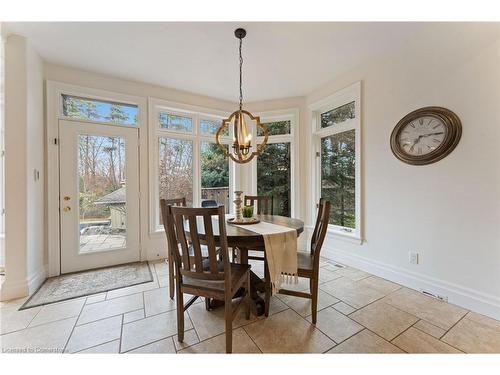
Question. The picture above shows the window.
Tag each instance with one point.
(175, 169)
(174, 122)
(99, 111)
(214, 174)
(275, 165)
(211, 126)
(186, 161)
(336, 130)
(273, 176)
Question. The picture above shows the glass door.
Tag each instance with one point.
(99, 195)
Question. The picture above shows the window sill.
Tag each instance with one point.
(347, 237)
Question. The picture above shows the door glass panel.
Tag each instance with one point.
(214, 175)
(273, 176)
(102, 193)
(338, 182)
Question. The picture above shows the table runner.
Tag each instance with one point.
(281, 252)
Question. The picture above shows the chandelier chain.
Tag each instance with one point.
(241, 75)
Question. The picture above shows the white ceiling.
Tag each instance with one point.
(280, 59)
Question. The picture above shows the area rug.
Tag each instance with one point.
(84, 283)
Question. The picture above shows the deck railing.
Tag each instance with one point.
(218, 194)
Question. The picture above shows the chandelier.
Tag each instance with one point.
(242, 138)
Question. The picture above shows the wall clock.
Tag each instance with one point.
(426, 135)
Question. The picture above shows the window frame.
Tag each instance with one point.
(344, 96)
(196, 136)
(291, 115)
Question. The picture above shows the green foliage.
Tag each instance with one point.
(276, 128)
(117, 115)
(338, 115)
(273, 176)
(338, 177)
(214, 166)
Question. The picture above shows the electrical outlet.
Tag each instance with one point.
(413, 257)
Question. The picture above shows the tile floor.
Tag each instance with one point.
(359, 313)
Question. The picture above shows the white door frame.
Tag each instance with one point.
(54, 90)
(72, 259)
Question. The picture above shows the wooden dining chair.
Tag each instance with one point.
(210, 277)
(308, 263)
(264, 203)
(181, 202)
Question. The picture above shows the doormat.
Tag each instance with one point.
(84, 283)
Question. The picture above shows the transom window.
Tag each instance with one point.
(336, 131)
(99, 110)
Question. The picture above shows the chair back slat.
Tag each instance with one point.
(195, 243)
(210, 243)
(320, 228)
(264, 203)
(199, 269)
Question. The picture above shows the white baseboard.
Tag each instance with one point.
(13, 290)
(22, 288)
(37, 279)
(482, 303)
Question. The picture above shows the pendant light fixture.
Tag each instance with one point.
(239, 120)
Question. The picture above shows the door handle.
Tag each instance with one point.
(67, 209)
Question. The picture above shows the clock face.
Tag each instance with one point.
(422, 136)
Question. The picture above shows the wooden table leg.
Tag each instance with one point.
(258, 305)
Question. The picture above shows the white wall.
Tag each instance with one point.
(448, 212)
(24, 151)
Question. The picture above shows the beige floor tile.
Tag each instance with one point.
(303, 305)
(416, 341)
(382, 285)
(58, 311)
(211, 323)
(365, 342)
(112, 347)
(148, 330)
(190, 338)
(383, 319)
(430, 329)
(472, 337)
(95, 298)
(277, 305)
(108, 308)
(157, 301)
(490, 322)
(134, 289)
(13, 320)
(48, 338)
(344, 308)
(163, 281)
(441, 314)
(352, 273)
(242, 343)
(326, 275)
(165, 346)
(351, 292)
(333, 267)
(336, 325)
(288, 332)
(96, 333)
(132, 316)
(161, 268)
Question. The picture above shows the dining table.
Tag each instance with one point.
(242, 238)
